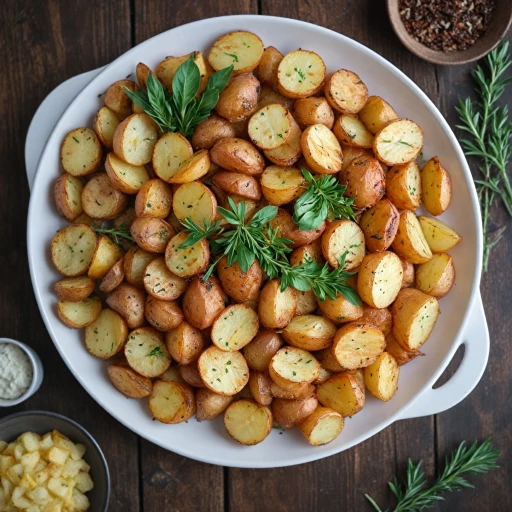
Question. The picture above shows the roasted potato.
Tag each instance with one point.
(105, 124)
(262, 349)
(306, 303)
(343, 393)
(281, 185)
(321, 149)
(134, 265)
(259, 385)
(235, 327)
(195, 201)
(301, 73)
(351, 132)
(164, 315)
(403, 186)
(74, 289)
(298, 394)
(436, 187)
(238, 184)
(125, 220)
(380, 225)
(340, 309)
(239, 99)
(67, 194)
(268, 66)
(402, 356)
(114, 277)
(210, 404)
(287, 228)
(410, 242)
(210, 131)
(322, 426)
(357, 345)
(269, 96)
(203, 302)
(345, 92)
(381, 377)
(287, 154)
(248, 422)
(275, 307)
(193, 168)
(106, 336)
(171, 402)
(79, 314)
(146, 352)
(135, 139)
(154, 199)
(142, 72)
(240, 286)
(80, 152)
(436, 277)
(128, 382)
(309, 332)
(350, 154)
(328, 361)
(340, 237)
(173, 374)
(237, 155)
(186, 262)
(101, 200)
(171, 151)
(190, 374)
(184, 343)
(382, 318)
(398, 142)
(376, 113)
(312, 110)
(166, 70)
(270, 127)
(380, 278)
(324, 376)
(289, 413)
(293, 368)
(414, 316)
(129, 302)
(409, 273)
(439, 237)
(161, 283)
(106, 254)
(312, 250)
(117, 100)
(151, 233)
(365, 181)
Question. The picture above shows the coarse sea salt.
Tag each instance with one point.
(15, 371)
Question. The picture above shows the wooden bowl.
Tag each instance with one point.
(500, 23)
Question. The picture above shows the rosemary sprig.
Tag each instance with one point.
(412, 495)
(490, 129)
(323, 199)
(116, 234)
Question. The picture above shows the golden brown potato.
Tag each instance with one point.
(345, 92)
(105, 124)
(240, 286)
(301, 73)
(281, 185)
(269, 63)
(309, 332)
(382, 318)
(151, 233)
(67, 194)
(154, 199)
(340, 309)
(436, 187)
(184, 343)
(293, 368)
(414, 316)
(186, 262)
(380, 278)
(376, 113)
(403, 186)
(79, 314)
(210, 131)
(239, 184)
(235, 327)
(381, 377)
(142, 72)
(106, 336)
(173, 374)
(114, 277)
(261, 349)
(195, 201)
(364, 179)
(312, 110)
(259, 385)
(100, 200)
(379, 225)
(324, 376)
(203, 301)
(289, 413)
(298, 394)
(312, 250)
(357, 345)
(351, 132)
(125, 177)
(402, 356)
(117, 100)
(172, 402)
(248, 422)
(440, 237)
(134, 265)
(321, 149)
(436, 277)
(306, 303)
(287, 228)
(237, 155)
(171, 151)
(275, 307)
(328, 361)
(350, 154)
(410, 242)
(74, 289)
(106, 254)
(398, 142)
(343, 236)
(239, 99)
(409, 273)
(269, 96)
(125, 219)
(343, 393)
(166, 70)
(270, 126)
(193, 168)
(80, 152)
(146, 352)
(210, 404)
(128, 382)
(287, 154)
(322, 426)
(128, 301)
(190, 374)
(164, 315)
(135, 138)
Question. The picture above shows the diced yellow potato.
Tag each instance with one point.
(78, 451)
(57, 455)
(29, 461)
(6, 461)
(80, 501)
(3, 446)
(27, 482)
(61, 487)
(71, 468)
(84, 482)
(42, 476)
(40, 496)
(19, 451)
(30, 441)
(15, 473)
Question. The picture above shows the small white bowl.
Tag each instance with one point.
(37, 373)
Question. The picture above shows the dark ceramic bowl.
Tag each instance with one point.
(42, 422)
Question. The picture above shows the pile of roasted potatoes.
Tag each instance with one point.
(235, 344)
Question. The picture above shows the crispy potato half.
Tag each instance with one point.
(351, 131)
(235, 327)
(240, 286)
(190, 374)
(340, 309)
(241, 49)
(239, 100)
(289, 413)
(398, 142)
(440, 237)
(203, 302)
(343, 236)
(163, 315)
(80, 152)
(268, 66)
(269, 96)
(135, 138)
(343, 393)
(380, 225)
(238, 184)
(74, 289)
(105, 256)
(193, 168)
(225, 373)
(322, 426)
(414, 316)
(134, 265)
(403, 186)
(306, 303)
(114, 277)
(105, 124)
(237, 155)
(67, 194)
(210, 130)
(73, 248)
(171, 402)
(101, 200)
(106, 336)
(146, 353)
(117, 100)
(376, 113)
(151, 233)
(281, 185)
(301, 73)
(171, 151)
(293, 368)
(128, 382)
(259, 352)
(248, 422)
(270, 127)
(382, 318)
(275, 307)
(436, 187)
(287, 154)
(185, 343)
(210, 404)
(436, 277)
(186, 262)
(410, 242)
(129, 302)
(309, 332)
(351, 153)
(321, 149)
(345, 92)
(402, 356)
(357, 345)
(154, 199)
(381, 377)
(161, 283)
(79, 314)
(313, 110)
(259, 386)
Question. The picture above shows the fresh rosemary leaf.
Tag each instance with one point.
(116, 234)
(196, 233)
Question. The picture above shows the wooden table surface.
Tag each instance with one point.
(44, 42)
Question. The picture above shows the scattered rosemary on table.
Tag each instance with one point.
(490, 129)
(116, 234)
(413, 495)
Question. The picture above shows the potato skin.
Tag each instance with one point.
(128, 301)
(117, 100)
(154, 198)
(267, 68)
(237, 155)
(239, 184)
(127, 381)
(190, 374)
(379, 225)
(259, 385)
(113, 278)
(289, 413)
(164, 315)
(239, 99)
(430, 281)
(276, 308)
(381, 317)
(185, 343)
(409, 273)
(210, 404)
(203, 301)
(151, 233)
(261, 349)
(436, 187)
(402, 355)
(340, 309)
(313, 110)
(78, 289)
(65, 206)
(376, 113)
(240, 286)
(210, 131)
(402, 194)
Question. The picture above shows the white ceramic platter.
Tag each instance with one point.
(462, 320)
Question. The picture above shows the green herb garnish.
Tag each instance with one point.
(116, 234)
(234, 56)
(157, 352)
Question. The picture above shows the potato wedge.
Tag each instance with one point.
(106, 254)
(402, 356)
(357, 345)
(340, 237)
(210, 404)
(351, 131)
(163, 315)
(79, 314)
(134, 265)
(239, 99)
(281, 185)
(151, 233)
(340, 309)
(275, 307)
(237, 155)
(410, 242)
(313, 110)
(190, 374)
(398, 142)
(436, 187)
(309, 332)
(67, 194)
(403, 186)
(345, 92)
(436, 277)
(184, 343)
(210, 131)
(381, 377)
(343, 393)
(380, 278)
(105, 124)
(289, 413)
(268, 66)
(128, 382)
(106, 336)
(161, 283)
(306, 303)
(322, 426)
(186, 262)
(73, 248)
(270, 127)
(80, 152)
(293, 368)
(262, 349)
(74, 289)
(234, 328)
(239, 184)
(154, 199)
(146, 352)
(240, 286)
(117, 100)
(203, 302)
(365, 181)
(259, 385)
(248, 422)
(225, 373)
(301, 73)
(321, 149)
(414, 316)
(101, 200)
(409, 273)
(171, 402)
(170, 152)
(287, 154)
(129, 302)
(193, 168)
(382, 318)
(376, 113)
(114, 277)
(380, 225)
(440, 237)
